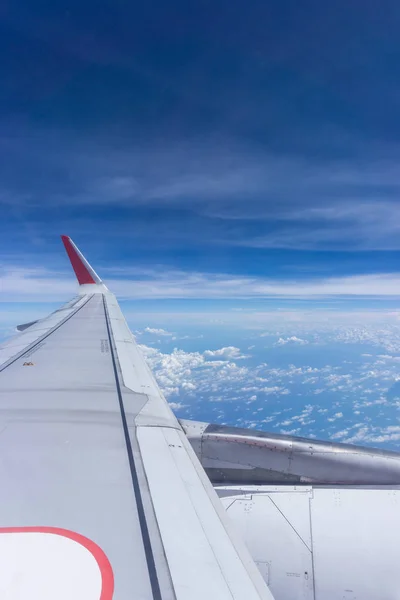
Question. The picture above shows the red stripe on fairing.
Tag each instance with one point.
(81, 272)
(107, 575)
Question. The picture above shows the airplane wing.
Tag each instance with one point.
(102, 494)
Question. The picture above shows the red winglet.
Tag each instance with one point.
(83, 271)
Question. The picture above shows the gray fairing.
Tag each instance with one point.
(24, 326)
(232, 455)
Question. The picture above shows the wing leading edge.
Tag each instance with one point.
(90, 446)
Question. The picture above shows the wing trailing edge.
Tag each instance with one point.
(85, 274)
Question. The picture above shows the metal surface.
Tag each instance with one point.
(276, 528)
(233, 455)
(203, 561)
(63, 455)
(321, 543)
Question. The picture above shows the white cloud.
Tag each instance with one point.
(338, 415)
(177, 405)
(227, 353)
(183, 373)
(276, 389)
(154, 331)
(375, 435)
(291, 340)
(304, 417)
(268, 419)
(339, 435)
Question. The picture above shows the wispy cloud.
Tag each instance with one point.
(25, 284)
(236, 194)
(28, 284)
(159, 331)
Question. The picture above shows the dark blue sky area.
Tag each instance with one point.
(253, 138)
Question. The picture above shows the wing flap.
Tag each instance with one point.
(203, 561)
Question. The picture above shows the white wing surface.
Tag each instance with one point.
(102, 494)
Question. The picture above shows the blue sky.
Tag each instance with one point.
(211, 137)
(232, 171)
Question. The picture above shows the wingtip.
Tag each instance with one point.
(85, 274)
(65, 240)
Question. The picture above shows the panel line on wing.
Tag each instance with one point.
(40, 339)
(290, 524)
(155, 585)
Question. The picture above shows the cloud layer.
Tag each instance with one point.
(354, 400)
(28, 284)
